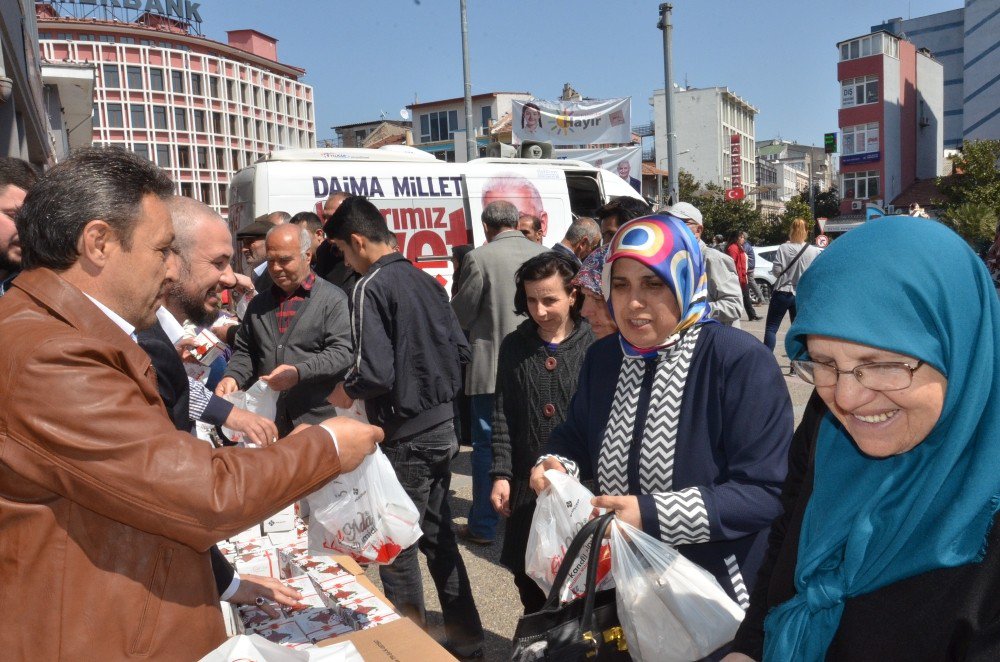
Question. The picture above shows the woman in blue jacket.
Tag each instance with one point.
(684, 423)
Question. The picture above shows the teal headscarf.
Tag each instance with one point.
(910, 286)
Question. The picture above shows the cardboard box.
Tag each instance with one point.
(399, 641)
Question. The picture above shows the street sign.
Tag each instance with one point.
(821, 222)
(830, 143)
(822, 241)
(735, 194)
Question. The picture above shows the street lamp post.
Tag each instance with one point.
(471, 145)
(668, 99)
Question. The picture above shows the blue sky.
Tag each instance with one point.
(368, 56)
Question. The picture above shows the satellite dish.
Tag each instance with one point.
(404, 113)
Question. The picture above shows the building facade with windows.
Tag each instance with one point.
(966, 41)
(436, 122)
(891, 118)
(199, 108)
(364, 134)
(44, 107)
(707, 119)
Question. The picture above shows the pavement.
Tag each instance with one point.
(492, 585)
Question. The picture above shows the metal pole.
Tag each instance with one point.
(471, 146)
(668, 97)
(812, 195)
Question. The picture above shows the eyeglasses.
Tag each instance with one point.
(885, 376)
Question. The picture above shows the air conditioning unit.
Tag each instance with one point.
(857, 205)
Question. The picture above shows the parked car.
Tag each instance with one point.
(762, 272)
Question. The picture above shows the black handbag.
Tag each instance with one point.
(584, 629)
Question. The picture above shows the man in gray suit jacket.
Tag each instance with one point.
(484, 305)
(295, 336)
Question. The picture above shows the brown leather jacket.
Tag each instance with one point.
(106, 511)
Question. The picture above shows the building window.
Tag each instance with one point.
(133, 75)
(156, 80)
(180, 119)
(111, 78)
(860, 139)
(487, 114)
(861, 185)
(217, 122)
(859, 91)
(160, 117)
(177, 81)
(438, 126)
(142, 149)
(199, 120)
(196, 85)
(163, 156)
(186, 190)
(126, 40)
(872, 44)
(202, 153)
(446, 155)
(137, 116)
(183, 156)
(116, 119)
(213, 86)
(220, 158)
(206, 193)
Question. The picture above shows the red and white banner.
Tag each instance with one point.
(735, 160)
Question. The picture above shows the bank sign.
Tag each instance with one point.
(184, 10)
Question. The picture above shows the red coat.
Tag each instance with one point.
(739, 256)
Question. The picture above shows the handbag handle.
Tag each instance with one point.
(593, 530)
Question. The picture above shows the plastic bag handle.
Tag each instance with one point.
(593, 530)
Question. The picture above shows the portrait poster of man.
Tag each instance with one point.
(626, 162)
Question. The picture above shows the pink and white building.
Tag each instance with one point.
(199, 108)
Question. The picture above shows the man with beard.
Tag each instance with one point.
(16, 178)
(203, 248)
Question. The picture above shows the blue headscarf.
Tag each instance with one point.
(910, 286)
(666, 246)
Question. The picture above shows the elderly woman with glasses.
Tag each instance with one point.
(595, 308)
(887, 548)
(683, 422)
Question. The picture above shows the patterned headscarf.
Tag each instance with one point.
(589, 275)
(665, 245)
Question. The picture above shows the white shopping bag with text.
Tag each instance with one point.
(365, 514)
(561, 510)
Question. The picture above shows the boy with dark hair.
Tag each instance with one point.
(407, 370)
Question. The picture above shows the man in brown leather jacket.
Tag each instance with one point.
(107, 511)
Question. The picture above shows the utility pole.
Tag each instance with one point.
(666, 26)
(471, 146)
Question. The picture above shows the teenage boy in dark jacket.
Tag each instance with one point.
(407, 370)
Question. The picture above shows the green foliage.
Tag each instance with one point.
(975, 222)
(972, 195)
(686, 184)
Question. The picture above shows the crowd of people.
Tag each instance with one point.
(615, 357)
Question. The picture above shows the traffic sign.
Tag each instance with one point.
(821, 222)
(822, 241)
(735, 194)
(830, 143)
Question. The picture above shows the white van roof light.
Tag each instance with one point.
(351, 154)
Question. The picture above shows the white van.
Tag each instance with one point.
(430, 205)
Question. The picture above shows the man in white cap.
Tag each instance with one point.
(724, 293)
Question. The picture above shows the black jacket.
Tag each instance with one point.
(944, 614)
(172, 383)
(408, 348)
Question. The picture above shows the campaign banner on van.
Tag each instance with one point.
(538, 193)
(625, 161)
(573, 122)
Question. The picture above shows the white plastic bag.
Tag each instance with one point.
(560, 511)
(365, 514)
(670, 608)
(259, 399)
